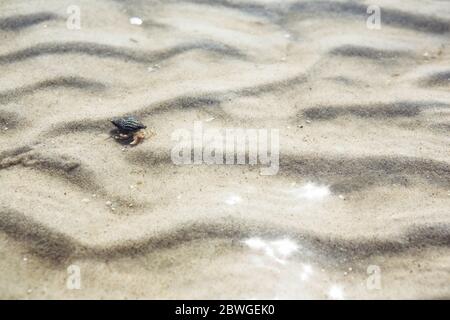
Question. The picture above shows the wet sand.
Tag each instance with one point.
(364, 178)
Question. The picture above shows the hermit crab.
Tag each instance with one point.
(129, 127)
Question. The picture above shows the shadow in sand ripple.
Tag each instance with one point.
(369, 53)
(352, 174)
(57, 247)
(64, 167)
(372, 111)
(9, 120)
(60, 82)
(245, 7)
(343, 174)
(393, 17)
(324, 247)
(126, 54)
(39, 239)
(212, 101)
(19, 22)
(437, 79)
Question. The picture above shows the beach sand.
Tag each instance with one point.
(360, 207)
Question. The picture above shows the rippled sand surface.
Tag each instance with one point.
(363, 188)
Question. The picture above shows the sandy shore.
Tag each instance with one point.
(363, 187)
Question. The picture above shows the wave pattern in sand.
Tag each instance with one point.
(364, 134)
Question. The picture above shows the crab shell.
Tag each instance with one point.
(128, 124)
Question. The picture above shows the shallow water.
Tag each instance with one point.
(359, 208)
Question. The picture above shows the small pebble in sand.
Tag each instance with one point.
(345, 273)
(94, 195)
(29, 291)
(5, 128)
(350, 269)
(25, 258)
(108, 203)
(85, 200)
(308, 121)
(287, 35)
(209, 119)
(130, 205)
(136, 21)
(179, 197)
(341, 197)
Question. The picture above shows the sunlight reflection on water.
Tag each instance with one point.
(290, 280)
(279, 250)
(311, 191)
(336, 293)
(233, 199)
